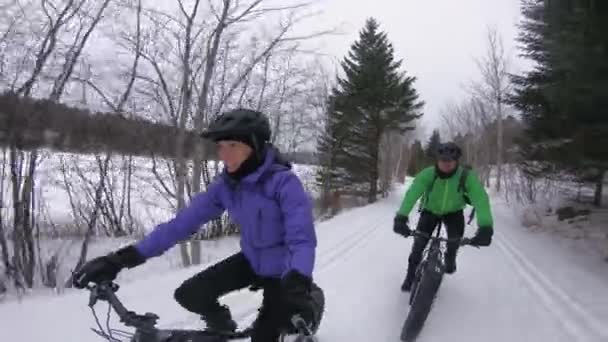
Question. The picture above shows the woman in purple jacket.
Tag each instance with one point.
(267, 200)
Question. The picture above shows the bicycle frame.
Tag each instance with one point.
(432, 257)
(427, 280)
(145, 325)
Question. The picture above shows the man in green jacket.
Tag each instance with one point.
(445, 195)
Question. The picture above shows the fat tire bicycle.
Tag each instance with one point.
(146, 330)
(427, 280)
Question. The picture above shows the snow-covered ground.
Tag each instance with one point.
(527, 286)
(150, 204)
(150, 207)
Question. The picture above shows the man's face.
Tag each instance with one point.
(447, 166)
(233, 153)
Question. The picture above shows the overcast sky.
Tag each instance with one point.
(436, 39)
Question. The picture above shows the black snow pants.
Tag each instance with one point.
(427, 224)
(200, 294)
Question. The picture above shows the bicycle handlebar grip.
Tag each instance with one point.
(300, 324)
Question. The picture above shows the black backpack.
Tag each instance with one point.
(461, 188)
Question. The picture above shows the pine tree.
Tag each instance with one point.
(330, 175)
(373, 98)
(564, 99)
(418, 160)
(433, 145)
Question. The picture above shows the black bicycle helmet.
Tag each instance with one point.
(240, 124)
(448, 151)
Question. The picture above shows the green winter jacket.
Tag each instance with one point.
(445, 198)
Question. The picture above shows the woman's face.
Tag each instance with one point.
(233, 153)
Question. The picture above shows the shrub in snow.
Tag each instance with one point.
(569, 212)
(532, 217)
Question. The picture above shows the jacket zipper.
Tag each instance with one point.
(247, 230)
(445, 195)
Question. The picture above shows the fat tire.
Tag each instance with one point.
(421, 303)
(416, 282)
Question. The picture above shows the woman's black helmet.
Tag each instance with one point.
(239, 124)
(448, 151)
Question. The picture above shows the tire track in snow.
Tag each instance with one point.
(328, 257)
(340, 250)
(575, 319)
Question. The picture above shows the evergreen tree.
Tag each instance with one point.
(418, 160)
(433, 145)
(564, 99)
(330, 175)
(372, 98)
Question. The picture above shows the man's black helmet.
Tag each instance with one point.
(448, 151)
(239, 124)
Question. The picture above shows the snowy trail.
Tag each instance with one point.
(570, 284)
(487, 299)
(507, 292)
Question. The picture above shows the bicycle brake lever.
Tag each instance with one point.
(93, 296)
(467, 242)
(299, 323)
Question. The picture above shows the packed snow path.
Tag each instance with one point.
(497, 294)
(522, 288)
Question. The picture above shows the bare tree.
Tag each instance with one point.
(470, 120)
(191, 102)
(9, 32)
(3, 243)
(494, 87)
(390, 150)
(158, 82)
(223, 21)
(85, 197)
(23, 165)
(186, 66)
(297, 104)
(103, 188)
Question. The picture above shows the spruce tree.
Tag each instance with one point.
(373, 98)
(330, 175)
(564, 99)
(433, 145)
(418, 160)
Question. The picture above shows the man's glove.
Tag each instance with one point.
(295, 296)
(106, 268)
(483, 237)
(400, 225)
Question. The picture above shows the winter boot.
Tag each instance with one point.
(450, 261)
(409, 279)
(220, 320)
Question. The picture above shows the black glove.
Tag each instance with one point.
(400, 226)
(483, 237)
(106, 268)
(296, 298)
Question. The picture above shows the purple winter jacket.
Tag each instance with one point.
(270, 205)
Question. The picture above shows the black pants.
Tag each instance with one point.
(200, 294)
(427, 223)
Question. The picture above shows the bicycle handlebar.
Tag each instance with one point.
(105, 291)
(460, 241)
